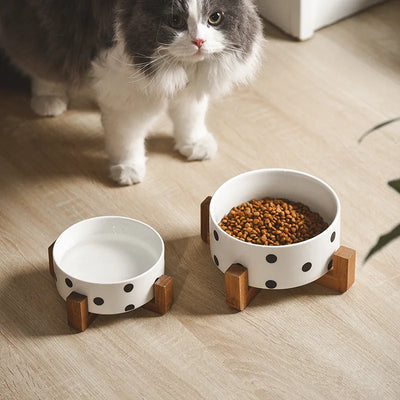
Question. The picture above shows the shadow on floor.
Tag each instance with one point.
(31, 306)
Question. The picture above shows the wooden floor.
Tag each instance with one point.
(308, 108)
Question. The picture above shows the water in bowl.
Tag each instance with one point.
(108, 258)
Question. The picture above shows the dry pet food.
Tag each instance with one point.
(272, 222)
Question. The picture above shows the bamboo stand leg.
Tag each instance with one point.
(163, 295)
(237, 291)
(77, 312)
(78, 315)
(204, 219)
(51, 265)
(342, 274)
(77, 304)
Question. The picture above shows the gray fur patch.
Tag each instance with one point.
(56, 40)
(240, 23)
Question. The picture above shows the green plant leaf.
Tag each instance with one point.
(384, 240)
(395, 184)
(376, 127)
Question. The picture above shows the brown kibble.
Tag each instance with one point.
(272, 222)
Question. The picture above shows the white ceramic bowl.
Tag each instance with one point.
(276, 267)
(114, 261)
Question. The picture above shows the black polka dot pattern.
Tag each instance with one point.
(333, 236)
(216, 235)
(271, 284)
(128, 288)
(271, 258)
(68, 282)
(330, 265)
(98, 301)
(216, 261)
(129, 307)
(306, 267)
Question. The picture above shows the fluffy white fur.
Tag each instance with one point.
(48, 98)
(130, 101)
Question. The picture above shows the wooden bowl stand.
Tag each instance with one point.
(80, 318)
(239, 294)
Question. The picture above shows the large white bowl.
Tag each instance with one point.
(276, 267)
(114, 261)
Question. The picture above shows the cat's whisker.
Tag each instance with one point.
(140, 72)
(143, 65)
(234, 49)
(154, 77)
(152, 59)
(140, 68)
(170, 65)
(139, 75)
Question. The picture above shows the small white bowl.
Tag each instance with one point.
(114, 261)
(276, 267)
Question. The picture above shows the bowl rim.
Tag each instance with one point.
(57, 241)
(282, 170)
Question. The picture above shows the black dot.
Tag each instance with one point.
(270, 284)
(216, 236)
(129, 307)
(98, 301)
(330, 265)
(271, 258)
(68, 282)
(306, 267)
(333, 236)
(128, 288)
(216, 261)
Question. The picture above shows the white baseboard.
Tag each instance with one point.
(301, 18)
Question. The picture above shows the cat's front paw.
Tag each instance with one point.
(204, 148)
(49, 106)
(127, 174)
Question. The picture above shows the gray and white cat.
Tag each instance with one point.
(139, 57)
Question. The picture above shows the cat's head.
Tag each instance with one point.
(208, 43)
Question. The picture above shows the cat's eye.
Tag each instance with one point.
(215, 18)
(176, 21)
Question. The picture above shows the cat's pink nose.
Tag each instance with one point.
(198, 42)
